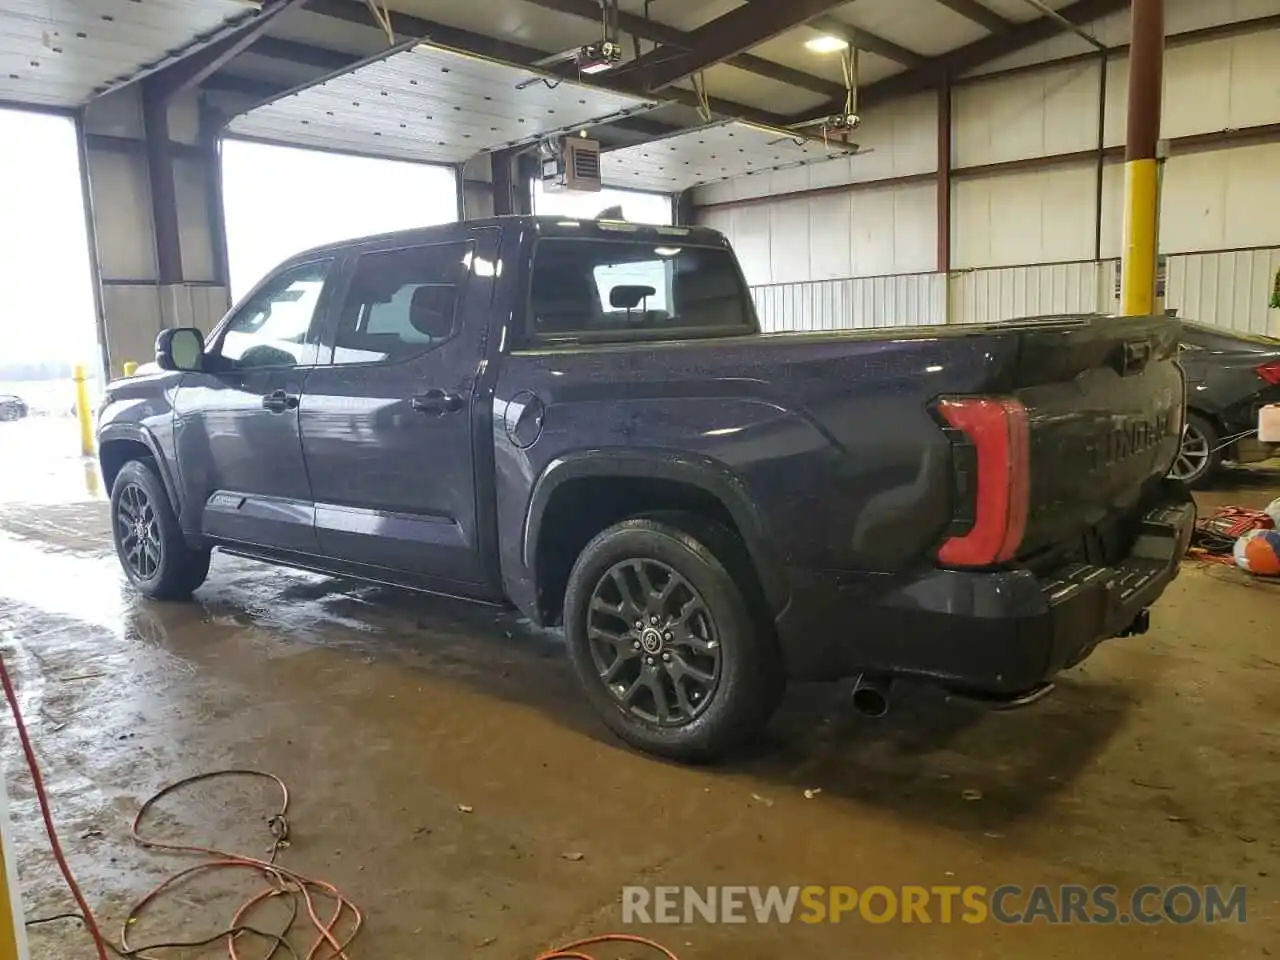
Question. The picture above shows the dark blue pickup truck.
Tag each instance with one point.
(582, 418)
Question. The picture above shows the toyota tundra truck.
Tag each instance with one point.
(584, 420)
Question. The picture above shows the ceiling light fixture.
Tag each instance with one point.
(827, 44)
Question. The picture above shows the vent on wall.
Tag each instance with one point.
(573, 164)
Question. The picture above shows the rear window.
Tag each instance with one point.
(612, 291)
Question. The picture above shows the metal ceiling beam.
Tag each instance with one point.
(202, 62)
(304, 54)
(973, 55)
(857, 37)
(736, 32)
(260, 90)
(657, 32)
(982, 16)
(407, 27)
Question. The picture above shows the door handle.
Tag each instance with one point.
(438, 402)
(279, 401)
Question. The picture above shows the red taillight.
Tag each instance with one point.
(997, 428)
(1270, 372)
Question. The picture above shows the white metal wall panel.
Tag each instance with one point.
(1230, 290)
(1212, 200)
(990, 296)
(1222, 199)
(135, 340)
(1227, 289)
(194, 235)
(865, 233)
(1215, 85)
(1041, 216)
(1181, 16)
(902, 301)
(1028, 115)
(122, 215)
(897, 140)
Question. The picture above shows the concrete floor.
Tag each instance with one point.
(1157, 761)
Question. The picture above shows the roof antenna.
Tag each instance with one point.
(611, 213)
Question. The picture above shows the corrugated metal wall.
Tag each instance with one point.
(1023, 240)
(1230, 290)
(1226, 289)
(982, 296)
(907, 300)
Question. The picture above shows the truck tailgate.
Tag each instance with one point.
(1104, 400)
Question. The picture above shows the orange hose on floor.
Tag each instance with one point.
(280, 881)
(99, 943)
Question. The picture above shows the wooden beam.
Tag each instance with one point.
(736, 32)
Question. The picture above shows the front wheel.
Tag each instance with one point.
(149, 542)
(662, 636)
(1198, 457)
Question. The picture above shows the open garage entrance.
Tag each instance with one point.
(282, 200)
(47, 312)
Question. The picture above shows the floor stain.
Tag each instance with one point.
(448, 777)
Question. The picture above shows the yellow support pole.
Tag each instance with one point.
(83, 412)
(1142, 168)
(1141, 216)
(13, 932)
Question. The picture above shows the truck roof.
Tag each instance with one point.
(542, 225)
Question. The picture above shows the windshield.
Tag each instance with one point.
(603, 290)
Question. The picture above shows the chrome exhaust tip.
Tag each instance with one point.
(871, 695)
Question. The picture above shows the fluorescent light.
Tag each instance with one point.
(666, 251)
(827, 44)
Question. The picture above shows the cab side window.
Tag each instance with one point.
(276, 327)
(401, 303)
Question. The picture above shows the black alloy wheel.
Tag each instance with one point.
(141, 546)
(671, 638)
(654, 642)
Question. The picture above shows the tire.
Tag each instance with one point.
(714, 660)
(149, 543)
(1198, 458)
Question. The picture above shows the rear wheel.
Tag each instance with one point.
(1198, 457)
(663, 638)
(149, 542)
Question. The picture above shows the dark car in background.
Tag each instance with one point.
(1229, 376)
(12, 407)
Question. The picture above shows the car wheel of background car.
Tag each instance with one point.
(149, 542)
(665, 639)
(1198, 460)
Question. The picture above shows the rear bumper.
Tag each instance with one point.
(998, 633)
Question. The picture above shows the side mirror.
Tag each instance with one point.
(181, 348)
